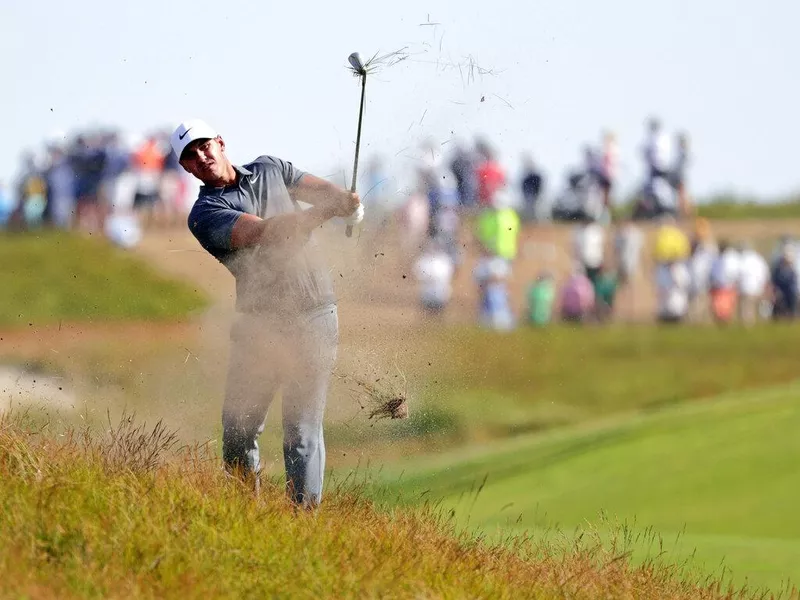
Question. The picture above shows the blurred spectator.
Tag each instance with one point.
(498, 227)
(671, 243)
(414, 217)
(31, 195)
(491, 274)
(605, 291)
(787, 245)
(532, 183)
(677, 174)
(448, 221)
(60, 178)
(656, 151)
(119, 184)
(571, 203)
(148, 163)
(582, 200)
(628, 245)
(377, 185)
(593, 206)
(431, 173)
(657, 196)
(434, 271)
(609, 167)
(464, 168)
(589, 248)
(723, 281)
(6, 205)
(541, 299)
(88, 162)
(784, 281)
(753, 279)
(491, 177)
(577, 297)
(703, 253)
(672, 284)
(172, 187)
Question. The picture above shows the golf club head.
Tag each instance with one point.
(355, 61)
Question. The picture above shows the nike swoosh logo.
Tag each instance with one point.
(183, 135)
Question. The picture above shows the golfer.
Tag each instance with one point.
(285, 335)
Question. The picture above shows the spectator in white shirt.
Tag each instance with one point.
(434, 271)
(656, 151)
(672, 283)
(753, 278)
(588, 244)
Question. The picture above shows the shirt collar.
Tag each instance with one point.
(239, 169)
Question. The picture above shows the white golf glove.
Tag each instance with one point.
(356, 217)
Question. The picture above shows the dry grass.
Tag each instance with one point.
(167, 522)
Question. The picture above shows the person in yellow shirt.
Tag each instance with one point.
(672, 244)
(498, 228)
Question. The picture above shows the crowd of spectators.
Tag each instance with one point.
(98, 181)
(694, 277)
(102, 180)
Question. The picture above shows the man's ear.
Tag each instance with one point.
(221, 143)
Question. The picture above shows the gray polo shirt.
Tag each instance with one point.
(282, 279)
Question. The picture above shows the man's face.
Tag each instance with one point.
(205, 159)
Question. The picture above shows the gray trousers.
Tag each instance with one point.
(294, 357)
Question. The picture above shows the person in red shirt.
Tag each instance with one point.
(491, 176)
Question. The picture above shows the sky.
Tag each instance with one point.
(551, 76)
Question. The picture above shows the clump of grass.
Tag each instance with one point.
(381, 397)
(133, 446)
(71, 527)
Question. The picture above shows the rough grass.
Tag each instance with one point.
(49, 277)
(169, 524)
(718, 476)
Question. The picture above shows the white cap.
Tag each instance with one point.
(189, 131)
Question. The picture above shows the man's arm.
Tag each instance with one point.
(250, 230)
(315, 190)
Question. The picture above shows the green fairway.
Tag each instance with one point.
(724, 474)
(53, 276)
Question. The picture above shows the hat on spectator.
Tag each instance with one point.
(189, 131)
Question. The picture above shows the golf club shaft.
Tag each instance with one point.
(349, 230)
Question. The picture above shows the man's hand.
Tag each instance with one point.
(328, 198)
(345, 204)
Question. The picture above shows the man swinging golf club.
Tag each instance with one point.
(285, 335)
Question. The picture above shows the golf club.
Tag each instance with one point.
(358, 69)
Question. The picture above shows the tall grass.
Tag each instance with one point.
(129, 513)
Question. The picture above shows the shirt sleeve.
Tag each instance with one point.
(291, 174)
(212, 225)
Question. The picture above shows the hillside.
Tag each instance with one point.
(51, 276)
(125, 516)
